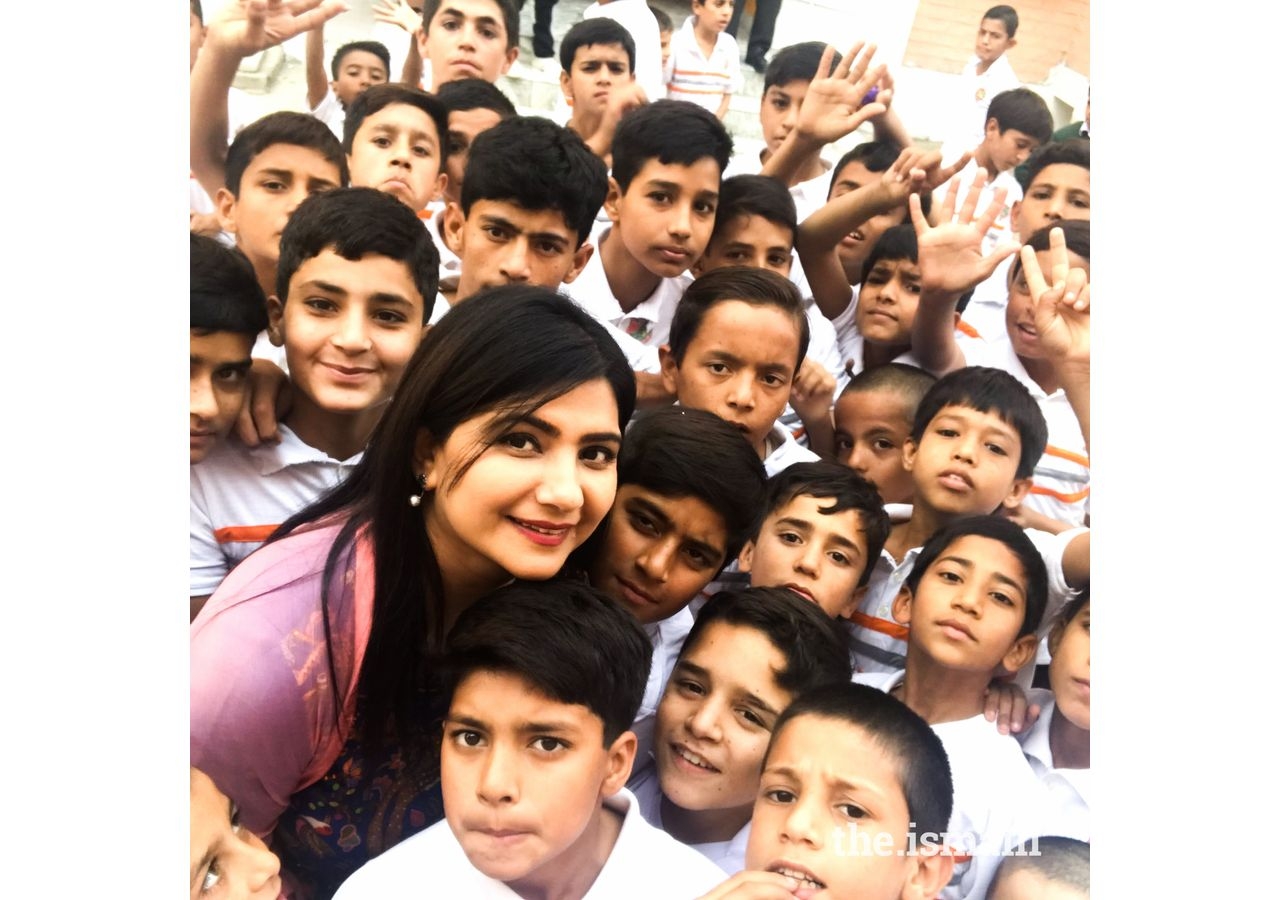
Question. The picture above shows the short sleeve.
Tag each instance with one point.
(208, 565)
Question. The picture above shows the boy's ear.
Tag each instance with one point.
(275, 320)
(581, 257)
(622, 755)
(442, 182)
(611, 200)
(991, 129)
(855, 600)
(746, 555)
(454, 222)
(512, 53)
(1013, 42)
(909, 448)
(670, 369)
(1021, 653)
(225, 207)
(566, 87)
(930, 868)
(902, 606)
(1017, 492)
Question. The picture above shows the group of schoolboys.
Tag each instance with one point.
(924, 542)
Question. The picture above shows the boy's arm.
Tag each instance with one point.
(951, 263)
(831, 109)
(240, 29)
(622, 101)
(724, 106)
(317, 83)
(398, 12)
(1062, 322)
(812, 394)
(887, 126)
(819, 235)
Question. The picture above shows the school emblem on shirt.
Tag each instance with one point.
(981, 94)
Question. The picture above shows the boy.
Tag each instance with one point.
(873, 419)
(974, 444)
(465, 39)
(987, 74)
(737, 340)
(544, 679)
(1045, 345)
(973, 601)
(1056, 190)
(854, 800)
(228, 309)
(820, 529)
(597, 78)
(666, 28)
(396, 139)
(348, 308)
(667, 161)
(1018, 122)
(355, 67)
(634, 16)
(704, 65)
(1055, 867)
(748, 655)
(688, 491)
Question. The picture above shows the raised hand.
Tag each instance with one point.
(249, 26)
(950, 253)
(1061, 308)
(832, 106)
(399, 13)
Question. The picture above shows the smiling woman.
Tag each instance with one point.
(312, 699)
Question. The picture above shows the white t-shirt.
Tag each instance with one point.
(667, 638)
(634, 16)
(974, 94)
(730, 855)
(649, 322)
(331, 112)
(698, 78)
(239, 495)
(1067, 790)
(644, 862)
(783, 450)
(1001, 229)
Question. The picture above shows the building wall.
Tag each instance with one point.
(1049, 32)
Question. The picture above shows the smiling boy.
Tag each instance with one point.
(348, 308)
(544, 679)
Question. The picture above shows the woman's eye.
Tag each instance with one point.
(211, 878)
(844, 445)
(520, 442)
(598, 456)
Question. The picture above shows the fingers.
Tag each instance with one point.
(993, 210)
(847, 61)
(755, 885)
(1035, 278)
(948, 208)
(824, 64)
(948, 171)
(917, 216)
(971, 199)
(1058, 262)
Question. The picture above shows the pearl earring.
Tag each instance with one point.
(415, 500)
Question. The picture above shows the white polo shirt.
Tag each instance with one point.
(649, 322)
(783, 450)
(667, 638)
(330, 111)
(644, 862)
(701, 79)
(634, 15)
(730, 855)
(974, 95)
(1001, 229)
(239, 495)
(1067, 790)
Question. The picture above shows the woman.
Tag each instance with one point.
(310, 693)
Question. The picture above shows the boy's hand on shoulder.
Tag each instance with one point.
(832, 106)
(399, 13)
(1061, 308)
(950, 253)
(813, 390)
(1007, 707)
(248, 26)
(268, 402)
(206, 224)
(754, 885)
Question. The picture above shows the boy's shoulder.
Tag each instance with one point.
(646, 861)
(784, 450)
(433, 856)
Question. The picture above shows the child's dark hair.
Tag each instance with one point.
(896, 243)
(989, 390)
(997, 528)
(877, 156)
(474, 93)
(377, 48)
(1023, 109)
(670, 131)
(294, 128)
(1074, 152)
(758, 287)
(197, 11)
(1007, 15)
(678, 452)
(924, 772)
(815, 648)
(663, 20)
(1073, 608)
(536, 164)
(354, 222)
(1059, 860)
(845, 488)
(569, 641)
(745, 195)
(380, 96)
(510, 18)
(798, 62)
(1074, 231)
(594, 32)
(225, 295)
(905, 382)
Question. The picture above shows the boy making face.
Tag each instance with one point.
(821, 531)
(597, 61)
(468, 38)
(228, 309)
(854, 796)
(544, 680)
(737, 338)
(394, 139)
(748, 655)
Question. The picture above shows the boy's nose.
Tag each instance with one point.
(514, 266)
(799, 826)
(704, 721)
(498, 783)
(858, 458)
(352, 334)
(810, 559)
(680, 224)
(203, 403)
(742, 393)
(656, 560)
